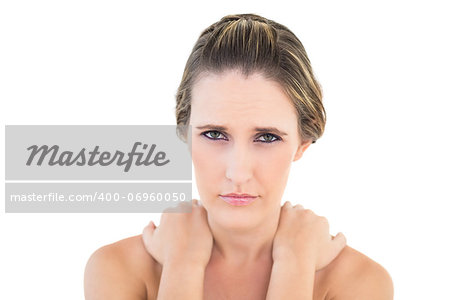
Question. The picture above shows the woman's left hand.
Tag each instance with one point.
(302, 234)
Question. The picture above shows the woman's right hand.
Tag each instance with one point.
(181, 237)
(301, 233)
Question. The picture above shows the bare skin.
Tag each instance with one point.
(126, 270)
(222, 251)
(138, 275)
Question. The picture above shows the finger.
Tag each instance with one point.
(288, 204)
(147, 233)
(340, 234)
(194, 201)
(339, 241)
(152, 224)
(149, 228)
(167, 210)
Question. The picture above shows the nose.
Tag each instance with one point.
(239, 165)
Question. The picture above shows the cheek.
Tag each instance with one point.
(205, 164)
(270, 167)
(201, 156)
(275, 167)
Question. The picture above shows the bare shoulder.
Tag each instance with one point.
(353, 275)
(121, 270)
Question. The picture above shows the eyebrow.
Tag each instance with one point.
(257, 129)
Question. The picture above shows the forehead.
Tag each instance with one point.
(231, 97)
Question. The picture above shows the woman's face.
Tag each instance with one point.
(239, 157)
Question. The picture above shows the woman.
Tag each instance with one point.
(254, 106)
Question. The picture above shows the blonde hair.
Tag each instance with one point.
(250, 44)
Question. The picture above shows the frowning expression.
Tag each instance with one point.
(244, 140)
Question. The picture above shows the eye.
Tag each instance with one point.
(269, 138)
(213, 134)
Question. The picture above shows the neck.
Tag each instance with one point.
(244, 246)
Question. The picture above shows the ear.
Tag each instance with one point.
(301, 149)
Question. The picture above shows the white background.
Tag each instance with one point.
(380, 173)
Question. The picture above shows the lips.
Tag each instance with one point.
(238, 199)
(239, 195)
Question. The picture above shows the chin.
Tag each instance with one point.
(236, 223)
(235, 217)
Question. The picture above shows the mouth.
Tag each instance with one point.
(238, 199)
